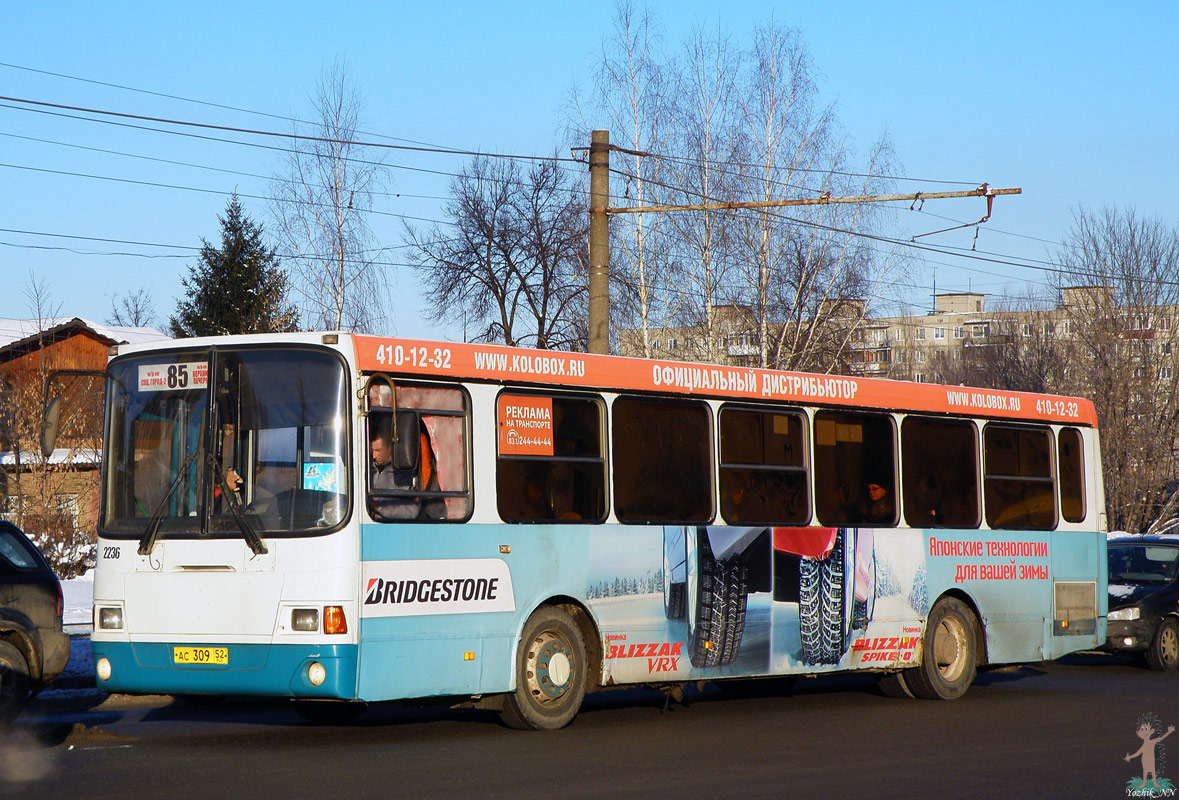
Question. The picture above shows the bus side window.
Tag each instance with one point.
(662, 460)
(763, 471)
(423, 474)
(550, 463)
(939, 478)
(855, 469)
(1018, 488)
(1070, 460)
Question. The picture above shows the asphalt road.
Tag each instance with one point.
(1055, 730)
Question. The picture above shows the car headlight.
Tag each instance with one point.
(1124, 614)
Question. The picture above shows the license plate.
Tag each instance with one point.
(200, 655)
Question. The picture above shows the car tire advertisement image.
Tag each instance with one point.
(822, 604)
(729, 601)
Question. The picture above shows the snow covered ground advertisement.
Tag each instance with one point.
(753, 601)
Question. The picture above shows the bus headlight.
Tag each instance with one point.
(316, 673)
(305, 619)
(103, 668)
(110, 619)
(1124, 614)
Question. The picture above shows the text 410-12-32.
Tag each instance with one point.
(399, 356)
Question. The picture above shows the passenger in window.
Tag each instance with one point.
(532, 504)
(733, 490)
(928, 496)
(561, 492)
(879, 507)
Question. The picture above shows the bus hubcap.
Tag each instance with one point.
(552, 666)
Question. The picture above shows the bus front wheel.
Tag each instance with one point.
(949, 653)
(551, 671)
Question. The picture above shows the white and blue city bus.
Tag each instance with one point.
(547, 524)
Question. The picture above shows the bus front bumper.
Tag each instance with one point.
(294, 670)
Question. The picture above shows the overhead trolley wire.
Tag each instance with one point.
(276, 134)
(261, 146)
(194, 100)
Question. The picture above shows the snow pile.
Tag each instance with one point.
(78, 597)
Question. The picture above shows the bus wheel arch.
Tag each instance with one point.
(949, 651)
(591, 635)
(554, 666)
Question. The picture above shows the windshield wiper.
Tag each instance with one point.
(243, 523)
(148, 542)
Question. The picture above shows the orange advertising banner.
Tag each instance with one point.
(514, 365)
(525, 425)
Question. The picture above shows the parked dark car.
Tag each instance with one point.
(1144, 598)
(33, 648)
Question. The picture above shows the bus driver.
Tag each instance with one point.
(415, 471)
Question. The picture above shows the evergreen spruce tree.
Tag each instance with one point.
(239, 287)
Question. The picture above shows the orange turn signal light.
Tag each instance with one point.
(333, 620)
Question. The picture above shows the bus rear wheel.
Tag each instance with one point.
(949, 653)
(551, 672)
(892, 684)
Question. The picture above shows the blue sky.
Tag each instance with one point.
(1073, 102)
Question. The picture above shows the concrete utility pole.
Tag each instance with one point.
(599, 244)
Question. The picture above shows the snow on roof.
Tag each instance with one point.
(1122, 536)
(60, 456)
(13, 331)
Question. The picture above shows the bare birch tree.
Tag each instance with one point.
(632, 100)
(808, 277)
(729, 123)
(705, 142)
(322, 204)
(1118, 283)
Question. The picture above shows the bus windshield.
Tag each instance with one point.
(214, 441)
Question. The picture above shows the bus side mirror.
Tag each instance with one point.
(50, 426)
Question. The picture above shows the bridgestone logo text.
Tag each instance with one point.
(436, 586)
(439, 590)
